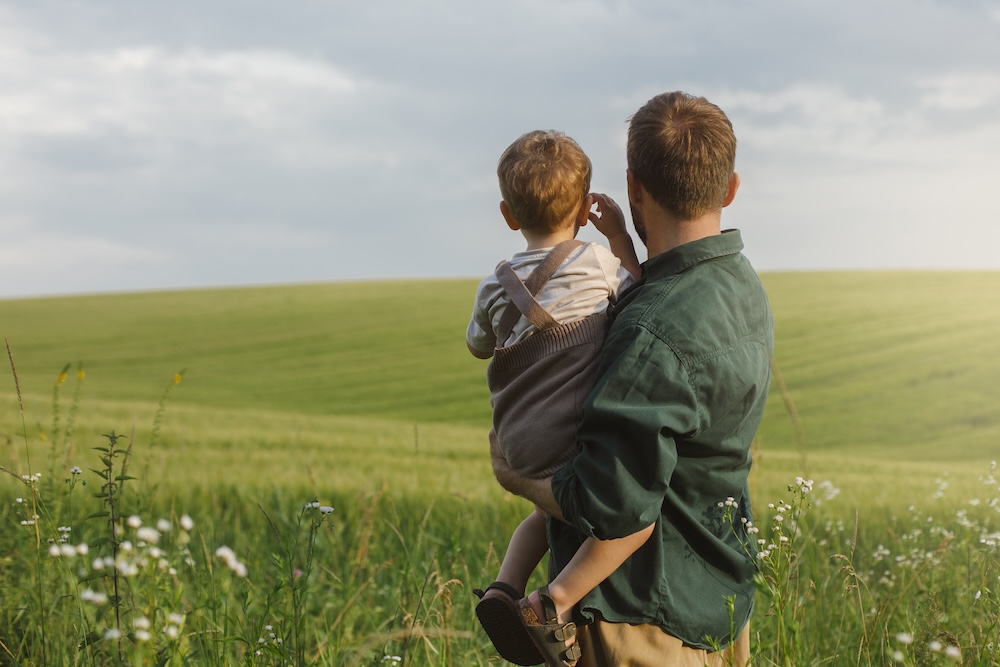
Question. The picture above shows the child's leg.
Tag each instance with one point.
(527, 546)
(593, 562)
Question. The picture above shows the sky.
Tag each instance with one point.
(158, 145)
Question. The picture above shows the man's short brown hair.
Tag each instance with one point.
(544, 176)
(683, 151)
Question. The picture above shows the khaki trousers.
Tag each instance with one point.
(622, 645)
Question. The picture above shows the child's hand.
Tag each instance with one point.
(608, 217)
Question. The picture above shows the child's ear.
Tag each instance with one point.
(584, 213)
(734, 185)
(509, 217)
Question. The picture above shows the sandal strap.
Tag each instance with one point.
(571, 654)
(548, 606)
(565, 632)
(498, 586)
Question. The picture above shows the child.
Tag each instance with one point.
(542, 317)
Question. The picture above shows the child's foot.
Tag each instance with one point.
(499, 614)
(553, 633)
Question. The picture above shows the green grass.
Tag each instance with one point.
(364, 396)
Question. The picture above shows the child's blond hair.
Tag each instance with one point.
(544, 177)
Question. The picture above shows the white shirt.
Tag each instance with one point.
(580, 287)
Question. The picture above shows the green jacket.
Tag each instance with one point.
(665, 438)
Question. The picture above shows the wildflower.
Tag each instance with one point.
(898, 656)
(82, 549)
(112, 633)
(171, 631)
(53, 550)
(227, 555)
(175, 618)
(177, 378)
(935, 646)
(163, 526)
(186, 523)
(67, 550)
(954, 653)
(904, 638)
(142, 635)
(75, 470)
(148, 535)
(141, 623)
(312, 505)
(134, 521)
(325, 509)
(978, 594)
(96, 597)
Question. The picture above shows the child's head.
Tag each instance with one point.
(683, 151)
(544, 178)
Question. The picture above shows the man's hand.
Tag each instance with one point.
(538, 491)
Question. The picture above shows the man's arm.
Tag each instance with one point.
(538, 491)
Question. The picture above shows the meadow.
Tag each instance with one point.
(312, 461)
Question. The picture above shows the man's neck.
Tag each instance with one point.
(665, 232)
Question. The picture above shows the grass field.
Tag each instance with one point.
(363, 396)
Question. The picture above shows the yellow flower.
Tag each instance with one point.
(61, 378)
(80, 374)
(177, 378)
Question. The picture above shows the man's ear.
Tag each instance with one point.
(584, 213)
(734, 185)
(635, 190)
(509, 216)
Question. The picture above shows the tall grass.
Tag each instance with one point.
(102, 568)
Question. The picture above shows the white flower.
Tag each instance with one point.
(95, 597)
(227, 555)
(142, 635)
(954, 653)
(82, 549)
(187, 523)
(112, 633)
(171, 631)
(134, 521)
(67, 550)
(325, 509)
(898, 656)
(904, 638)
(75, 470)
(141, 623)
(175, 618)
(54, 551)
(163, 526)
(935, 646)
(148, 535)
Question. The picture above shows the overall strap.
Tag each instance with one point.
(522, 299)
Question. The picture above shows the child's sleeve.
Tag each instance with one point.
(618, 276)
(479, 336)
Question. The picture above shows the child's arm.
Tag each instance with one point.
(609, 221)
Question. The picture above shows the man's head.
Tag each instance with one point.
(682, 150)
(544, 179)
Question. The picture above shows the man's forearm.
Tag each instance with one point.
(538, 491)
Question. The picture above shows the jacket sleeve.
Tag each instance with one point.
(641, 404)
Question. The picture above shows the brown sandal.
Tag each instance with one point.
(548, 634)
(499, 615)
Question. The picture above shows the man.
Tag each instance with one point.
(666, 432)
